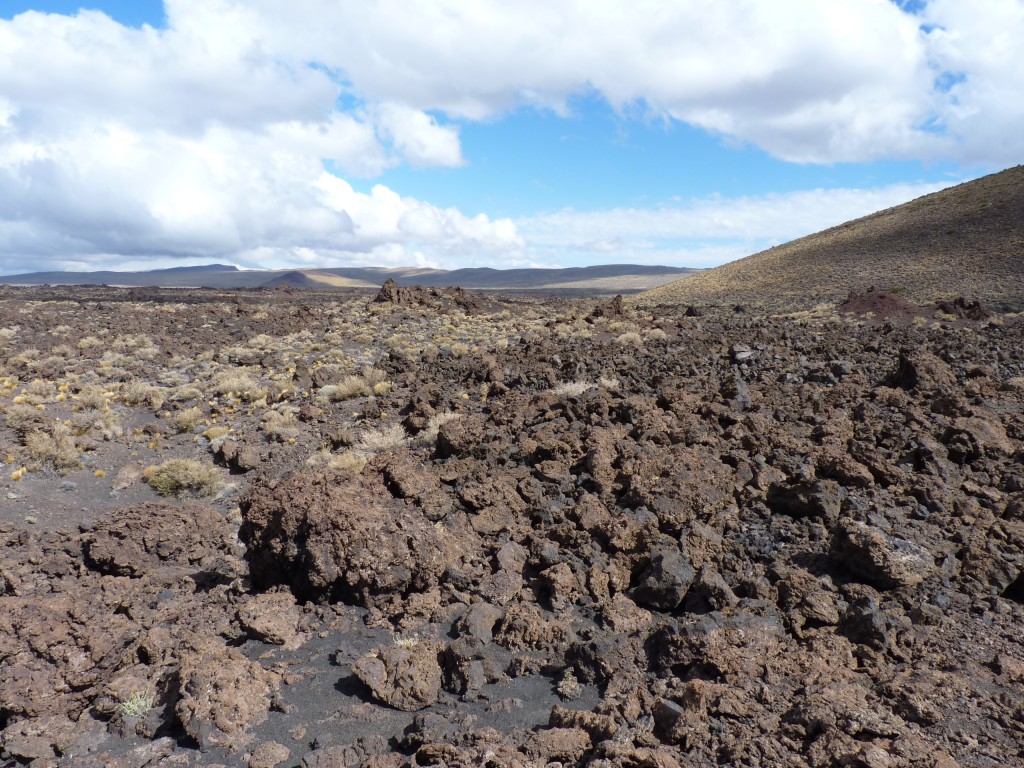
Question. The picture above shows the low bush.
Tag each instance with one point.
(183, 477)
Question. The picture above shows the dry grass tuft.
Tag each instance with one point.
(347, 463)
(183, 477)
(387, 438)
(187, 420)
(54, 447)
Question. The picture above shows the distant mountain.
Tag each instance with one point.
(609, 278)
(966, 240)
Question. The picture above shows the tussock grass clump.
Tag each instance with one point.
(630, 339)
(141, 393)
(54, 447)
(188, 420)
(22, 417)
(347, 463)
(281, 423)
(572, 388)
(186, 394)
(92, 398)
(241, 382)
(183, 477)
(386, 438)
(372, 381)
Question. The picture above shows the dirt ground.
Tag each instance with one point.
(275, 528)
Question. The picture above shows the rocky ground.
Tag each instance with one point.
(277, 529)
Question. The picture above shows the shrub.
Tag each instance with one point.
(55, 447)
(572, 388)
(281, 424)
(379, 440)
(188, 420)
(92, 398)
(22, 418)
(240, 381)
(137, 704)
(347, 463)
(183, 477)
(141, 393)
(630, 339)
(346, 389)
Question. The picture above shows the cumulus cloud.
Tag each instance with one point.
(225, 134)
(706, 231)
(846, 80)
(200, 142)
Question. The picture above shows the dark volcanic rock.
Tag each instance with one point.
(882, 559)
(406, 677)
(665, 581)
(341, 538)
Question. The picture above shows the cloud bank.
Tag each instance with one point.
(228, 134)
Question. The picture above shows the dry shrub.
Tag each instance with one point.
(347, 463)
(22, 418)
(186, 393)
(24, 359)
(655, 334)
(188, 420)
(92, 398)
(141, 393)
(281, 424)
(108, 424)
(54, 446)
(386, 438)
(346, 389)
(630, 339)
(183, 477)
(217, 437)
(572, 388)
(241, 382)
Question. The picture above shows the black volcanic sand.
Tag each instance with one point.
(632, 540)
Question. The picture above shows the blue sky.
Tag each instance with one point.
(333, 132)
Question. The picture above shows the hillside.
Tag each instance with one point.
(966, 240)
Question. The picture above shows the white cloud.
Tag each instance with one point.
(807, 81)
(209, 138)
(201, 142)
(705, 232)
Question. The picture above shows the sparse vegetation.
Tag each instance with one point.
(53, 447)
(137, 704)
(183, 477)
(189, 419)
(387, 438)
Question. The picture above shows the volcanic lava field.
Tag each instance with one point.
(431, 528)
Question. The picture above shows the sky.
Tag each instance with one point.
(139, 134)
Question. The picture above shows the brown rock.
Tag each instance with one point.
(332, 538)
(135, 540)
(565, 744)
(268, 755)
(272, 618)
(883, 560)
(406, 677)
(222, 692)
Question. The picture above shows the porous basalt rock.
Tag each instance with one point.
(338, 538)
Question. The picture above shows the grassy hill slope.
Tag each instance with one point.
(966, 240)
